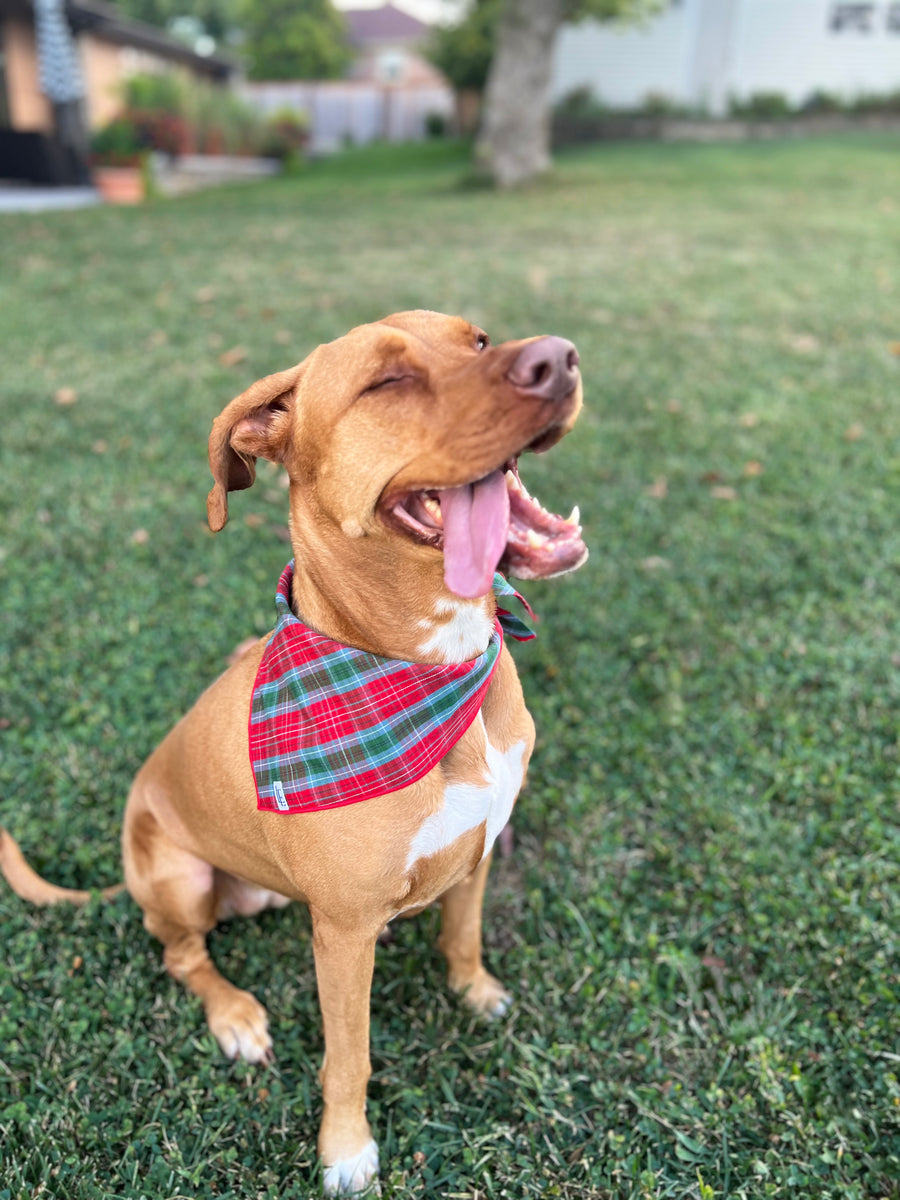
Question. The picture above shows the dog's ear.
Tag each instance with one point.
(255, 425)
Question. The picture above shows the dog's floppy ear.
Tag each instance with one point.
(257, 424)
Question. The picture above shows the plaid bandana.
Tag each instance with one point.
(332, 725)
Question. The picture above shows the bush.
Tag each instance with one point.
(760, 106)
(581, 102)
(436, 125)
(120, 143)
(165, 132)
(875, 103)
(285, 136)
(820, 103)
(162, 92)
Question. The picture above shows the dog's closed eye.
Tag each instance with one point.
(395, 375)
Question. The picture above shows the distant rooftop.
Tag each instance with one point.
(385, 24)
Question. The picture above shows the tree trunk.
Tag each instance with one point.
(514, 143)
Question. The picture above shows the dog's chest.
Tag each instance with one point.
(479, 790)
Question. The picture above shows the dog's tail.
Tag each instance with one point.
(26, 882)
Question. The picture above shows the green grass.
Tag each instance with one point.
(701, 918)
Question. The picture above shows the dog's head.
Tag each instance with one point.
(410, 429)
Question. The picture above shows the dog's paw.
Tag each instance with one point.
(353, 1176)
(485, 995)
(241, 1027)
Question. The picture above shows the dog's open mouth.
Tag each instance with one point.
(489, 523)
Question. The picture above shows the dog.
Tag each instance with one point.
(401, 442)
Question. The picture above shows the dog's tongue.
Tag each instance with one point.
(476, 528)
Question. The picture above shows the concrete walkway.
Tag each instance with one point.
(16, 199)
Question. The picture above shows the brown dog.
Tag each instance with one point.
(401, 441)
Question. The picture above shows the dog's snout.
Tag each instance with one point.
(546, 368)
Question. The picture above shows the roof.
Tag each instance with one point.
(385, 24)
(108, 22)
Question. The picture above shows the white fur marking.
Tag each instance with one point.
(353, 1174)
(466, 634)
(468, 805)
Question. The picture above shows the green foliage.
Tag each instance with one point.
(760, 106)
(294, 39)
(217, 17)
(611, 10)
(159, 91)
(119, 142)
(701, 920)
(463, 52)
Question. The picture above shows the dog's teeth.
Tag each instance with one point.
(536, 539)
(512, 482)
(574, 517)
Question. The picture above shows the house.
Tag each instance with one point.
(42, 139)
(700, 53)
(388, 44)
(392, 92)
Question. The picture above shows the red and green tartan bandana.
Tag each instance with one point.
(332, 725)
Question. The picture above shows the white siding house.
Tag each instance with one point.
(701, 52)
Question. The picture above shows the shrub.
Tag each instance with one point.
(821, 102)
(581, 102)
(120, 143)
(158, 92)
(760, 106)
(165, 132)
(435, 125)
(285, 135)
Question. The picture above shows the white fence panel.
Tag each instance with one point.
(352, 111)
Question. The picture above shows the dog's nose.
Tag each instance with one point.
(547, 368)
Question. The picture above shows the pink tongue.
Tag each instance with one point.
(476, 529)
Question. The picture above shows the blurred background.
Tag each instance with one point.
(699, 918)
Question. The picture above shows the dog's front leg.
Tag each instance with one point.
(345, 960)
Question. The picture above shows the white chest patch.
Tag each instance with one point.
(468, 805)
(463, 636)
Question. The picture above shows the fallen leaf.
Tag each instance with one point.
(711, 477)
(282, 337)
(537, 279)
(804, 343)
(894, 348)
(673, 406)
(158, 337)
(140, 537)
(65, 396)
(748, 420)
(723, 492)
(655, 563)
(231, 358)
(253, 520)
(659, 488)
(282, 533)
(854, 432)
(100, 446)
(201, 580)
(753, 468)
(205, 295)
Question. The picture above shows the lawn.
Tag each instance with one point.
(701, 918)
